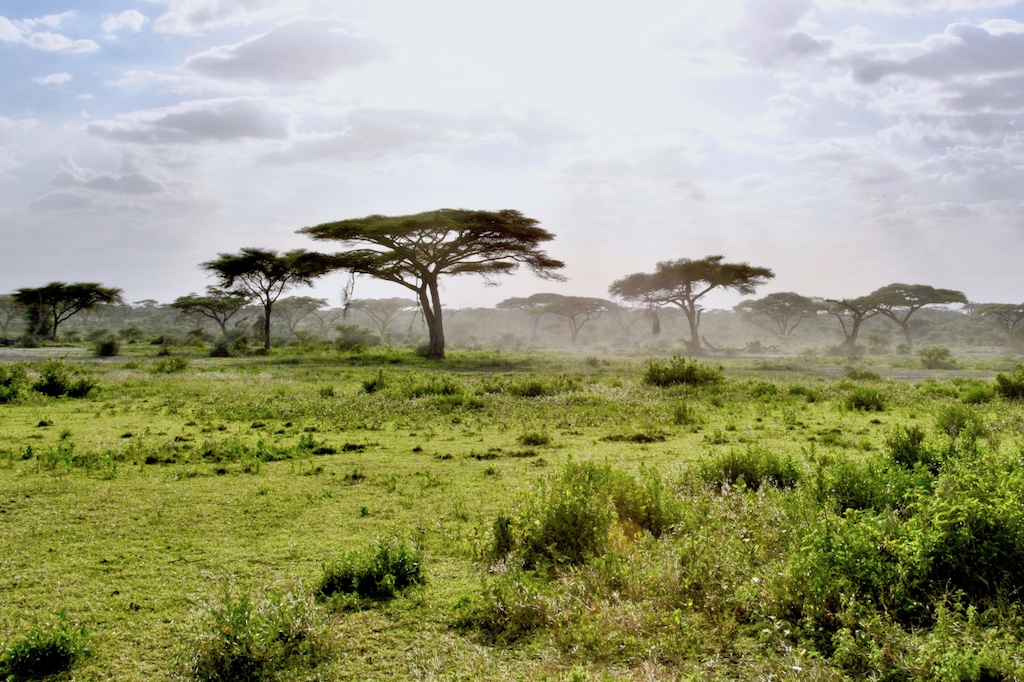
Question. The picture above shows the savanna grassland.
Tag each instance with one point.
(372, 515)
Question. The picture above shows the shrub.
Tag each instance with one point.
(534, 438)
(171, 364)
(221, 349)
(244, 640)
(905, 446)
(12, 380)
(49, 649)
(108, 348)
(867, 399)
(804, 392)
(512, 606)
(860, 374)
(350, 336)
(960, 420)
(377, 383)
(377, 573)
(531, 386)
(1011, 386)
(568, 519)
(680, 370)
(58, 379)
(936, 357)
(977, 394)
(755, 466)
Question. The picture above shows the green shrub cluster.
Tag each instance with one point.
(755, 466)
(377, 573)
(1011, 386)
(531, 385)
(13, 378)
(245, 639)
(570, 518)
(49, 649)
(58, 379)
(680, 370)
(866, 399)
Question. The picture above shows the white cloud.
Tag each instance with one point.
(371, 132)
(194, 122)
(131, 19)
(300, 50)
(21, 32)
(60, 201)
(198, 16)
(916, 6)
(129, 181)
(53, 79)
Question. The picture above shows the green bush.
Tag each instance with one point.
(860, 373)
(866, 399)
(377, 573)
(376, 383)
(1011, 386)
(58, 379)
(755, 466)
(107, 348)
(13, 379)
(568, 519)
(961, 423)
(352, 335)
(244, 640)
(531, 386)
(49, 649)
(534, 438)
(936, 357)
(512, 606)
(171, 364)
(680, 370)
(905, 446)
(804, 392)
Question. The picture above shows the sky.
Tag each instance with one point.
(846, 144)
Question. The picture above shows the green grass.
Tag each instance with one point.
(131, 508)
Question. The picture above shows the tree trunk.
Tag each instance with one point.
(693, 318)
(656, 325)
(432, 314)
(267, 305)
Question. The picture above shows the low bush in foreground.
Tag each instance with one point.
(866, 399)
(58, 379)
(378, 573)
(1011, 386)
(244, 639)
(49, 649)
(680, 370)
(13, 378)
(754, 467)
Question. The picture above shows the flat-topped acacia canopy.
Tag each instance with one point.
(415, 250)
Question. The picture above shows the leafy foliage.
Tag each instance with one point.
(680, 370)
(378, 573)
(754, 466)
(58, 379)
(49, 649)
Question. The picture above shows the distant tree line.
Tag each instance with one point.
(418, 251)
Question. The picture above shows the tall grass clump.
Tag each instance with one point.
(906, 447)
(755, 466)
(107, 348)
(244, 639)
(569, 518)
(58, 379)
(1011, 386)
(49, 649)
(680, 370)
(866, 399)
(376, 573)
(170, 364)
(13, 378)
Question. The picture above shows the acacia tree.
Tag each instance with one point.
(1008, 315)
(267, 274)
(382, 311)
(578, 310)
(684, 282)
(294, 309)
(415, 251)
(779, 313)
(852, 313)
(899, 301)
(46, 307)
(534, 306)
(10, 310)
(218, 304)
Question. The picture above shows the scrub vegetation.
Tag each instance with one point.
(317, 513)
